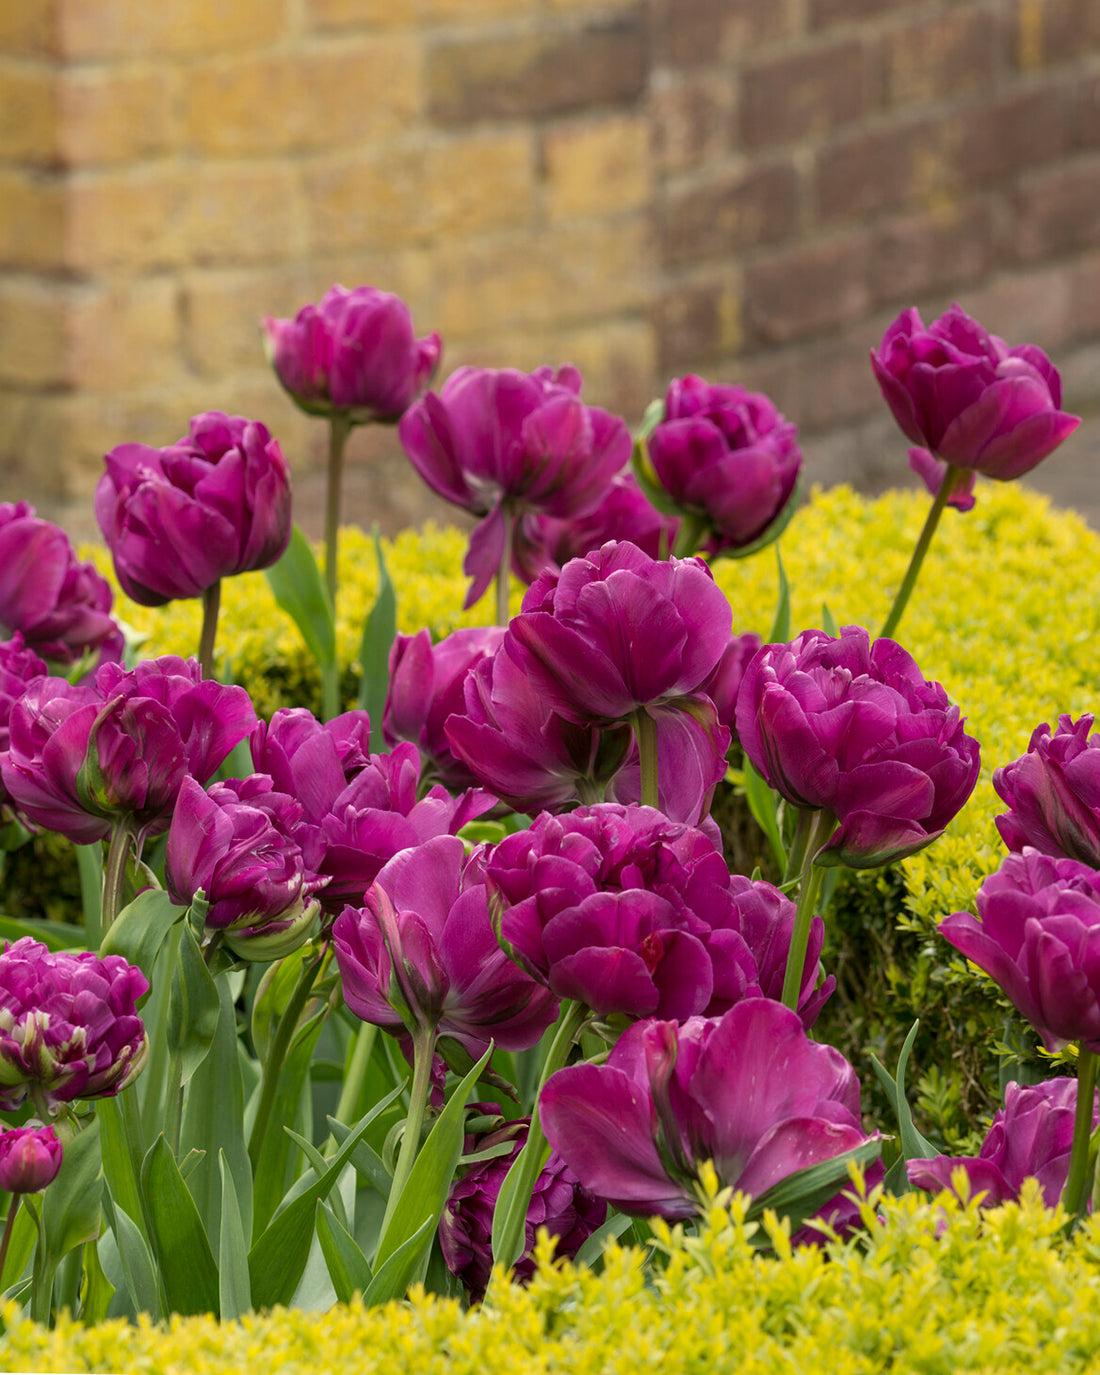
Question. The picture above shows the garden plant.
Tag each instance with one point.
(695, 922)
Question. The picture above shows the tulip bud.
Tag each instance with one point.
(30, 1158)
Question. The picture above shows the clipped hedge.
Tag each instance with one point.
(933, 1286)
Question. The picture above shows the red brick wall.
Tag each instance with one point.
(750, 189)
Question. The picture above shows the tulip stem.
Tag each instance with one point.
(645, 732)
(211, 602)
(423, 1040)
(822, 825)
(114, 873)
(947, 486)
(690, 535)
(504, 572)
(339, 427)
(1078, 1190)
(280, 1044)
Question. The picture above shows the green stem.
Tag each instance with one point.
(114, 871)
(9, 1224)
(504, 572)
(822, 826)
(45, 1267)
(690, 535)
(330, 690)
(1075, 1196)
(89, 863)
(423, 1053)
(796, 855)
(280, 1045)
(211, 601)
(947, 486)
(645, 732)
(514, 1199)
(338, 431)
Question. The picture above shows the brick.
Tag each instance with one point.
(32, 334)
(1083, 112)
(31, 220)
(1050, 31)
(1084, 303)
(954, 244)
(27, 28)
(691, 118)
(727, 214)
(806, 290)
(127, 218)
(598, 168)
(837, 385)
(1000, 138)
(531, 75)
(342, 14)
(125, 337)
(134, 28)
(804, 95)
(222, 313)
(413, 194)
(1032, 307)
(252, 214)
(28, 113)
(116, 114)
(872, 171)
(688, 33)
(698, 322)
(945, 56)
(823, 13)
(1056, 212)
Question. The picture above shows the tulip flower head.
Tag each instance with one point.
(30, 1158)
(1053, 792)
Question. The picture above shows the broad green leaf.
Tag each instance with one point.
(392, 1279)
(801, 1194)
(138, 932)
(55, 935)
(138, 1266)
(193, 1007)
(593, 1246)
(379, 631)
(183, 1252)
(24, 1234)
(762, 803)
(272, 996)
(348, 1267)
(510, 1212)
(89, 863)
(297, 586)
(828, 621)
(71, 1204)
(234, 1293)
(365, 1159)
(780, 632)
(913, 1145)
(97, 1290)
(120, 1152)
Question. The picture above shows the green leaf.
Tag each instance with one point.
(71, 1204)
(365, 1160)
(762, 804)
(139, 930)
(426, 1189)
(24, 1234)
(379, 632)
(593, 1246)
(118, 1149)
(348, 1267)
(97, 1291)
(179, 1239)
(297, 586)
(828, 621)
(801, 1194)
(647, 479)
(652, 416)
(193, 1007)
(780, 632)
(139, 1269)
(55, 935)
(393, 1278)
(234, 1293)
(913, 1145)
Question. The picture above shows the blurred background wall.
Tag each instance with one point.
(749, 189)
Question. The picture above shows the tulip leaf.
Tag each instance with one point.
(802, 1193)
(365, 1159)
(71, 1204)
(392, 1279)
(611, 1230)
(762, 804)
(179, 1238)
(379, 633)
(828, 621)
(139, 930)
(296, 584)
(97, 1291)
(652, 416)
(121, 1154)
(54, 935)
(913, 1144)
(780, 632)
(138, 1266)
(24, 1234)
(647, 479)
(425, 1190)
(234, 1293)
(348, 1267)
(193, 1007)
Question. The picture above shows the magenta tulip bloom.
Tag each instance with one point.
(969, 399)
(60, 606)
(852, 728)
(68, 1025)
(426, 687)
(421, 953)
(236, 843)
(1030, 1138)
(764, 918)
(1053, 792)
(748, 1091)
(353, 353)
(617, 631)
(311, 761)
(30, 1158)
(559, 1202)
(1038, 936)
(723, 685)
(726, 456)
(503, 443)
(81, 758)
(177, 520)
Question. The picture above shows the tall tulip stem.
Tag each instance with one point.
(1076, 1194)
(13, 1208)
(423, 1041)
(645, 732)
(821, 828)
(277, 1053)
(947, 486)
(339, 429)
(693, 530)
(211, 602)
(114, 872)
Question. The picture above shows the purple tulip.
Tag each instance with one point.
(723, 685)
(61, 607)
(421, 953)
(235, 842)
(559, 1202)
(1030, 1138)
(426, 687)
(1053, 792)
(1038, 937)
(617, 630)
(932, 473)
(748, 1091)
(725, 455)
(765, 920)
(310, 761)
(215, 504)
(68, 1025)
(30, 1158)
(353, 353)
(623, 910)
(19, 668)
(502, 444)
(969, 399)
(852, 728)
(82, 757)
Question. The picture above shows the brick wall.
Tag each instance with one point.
(750, 189)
